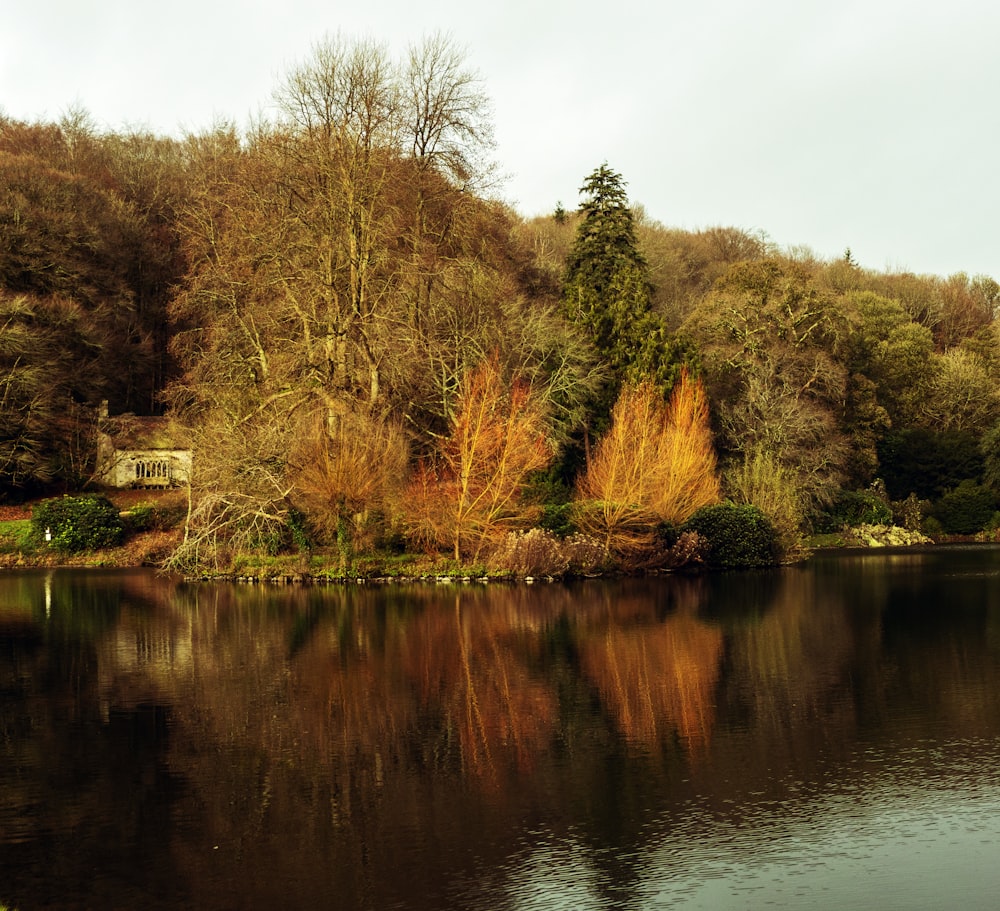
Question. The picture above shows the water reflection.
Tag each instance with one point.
(717, 741)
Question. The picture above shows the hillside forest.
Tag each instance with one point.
(367, 350)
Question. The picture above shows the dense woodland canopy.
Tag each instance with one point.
(365, 347)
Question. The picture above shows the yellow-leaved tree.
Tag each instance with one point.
(655, 464)
(473, 496)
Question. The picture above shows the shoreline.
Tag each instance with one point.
(429, 573)
(151, 548)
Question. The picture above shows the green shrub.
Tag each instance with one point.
(153, 517)
(859, 507)
(557, 518)
(739, 536)
(77, 523)
(931, 526)
(966, 509)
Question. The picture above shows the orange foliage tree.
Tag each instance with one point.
(473, 496)
(656, 464)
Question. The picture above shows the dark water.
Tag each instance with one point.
(821, 736)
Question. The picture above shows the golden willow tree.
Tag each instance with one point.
(473, 497)
(655, 464)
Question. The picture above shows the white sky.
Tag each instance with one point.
(869, 124)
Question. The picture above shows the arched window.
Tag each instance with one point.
(152, 472)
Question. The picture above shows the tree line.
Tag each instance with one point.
(367, 349)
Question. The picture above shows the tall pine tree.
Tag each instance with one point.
(607, 293)
(606, 289)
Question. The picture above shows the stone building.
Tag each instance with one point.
(135, 451)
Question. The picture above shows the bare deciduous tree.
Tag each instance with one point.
(448, 111)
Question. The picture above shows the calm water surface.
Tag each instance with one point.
(820, 736)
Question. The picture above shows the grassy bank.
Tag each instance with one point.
(154, 522)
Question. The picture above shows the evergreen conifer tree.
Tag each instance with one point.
(606, 289)
(607, 293)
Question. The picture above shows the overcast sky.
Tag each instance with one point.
(873, 125)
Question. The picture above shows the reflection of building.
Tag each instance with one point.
(155, 651)
(139, 452)
(139, 666)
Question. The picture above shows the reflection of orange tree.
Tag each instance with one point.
(657, 677)
(457, 677)
(365, 711)
(467, 665)
(458, 680)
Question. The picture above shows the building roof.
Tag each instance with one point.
(130, 431)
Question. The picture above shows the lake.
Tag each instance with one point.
(817, 736)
